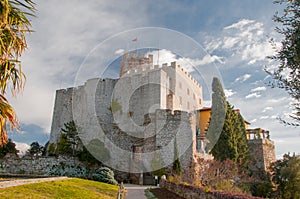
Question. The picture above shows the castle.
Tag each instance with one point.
(143, 119)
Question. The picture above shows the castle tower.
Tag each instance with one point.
(134, 61)
(262, 150)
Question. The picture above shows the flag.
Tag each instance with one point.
(135, 39)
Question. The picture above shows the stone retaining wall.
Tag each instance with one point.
(191, 192)
(12, 164)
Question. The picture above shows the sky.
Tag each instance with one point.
(234, 34)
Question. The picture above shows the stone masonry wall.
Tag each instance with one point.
(12, 164)
(191, 192)
(263, 154)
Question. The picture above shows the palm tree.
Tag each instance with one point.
(14, 25)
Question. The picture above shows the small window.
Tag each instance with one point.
(188, 91)
(180, 85)
(194, 96)
(188, 105)
(200, 101)
(180, 100)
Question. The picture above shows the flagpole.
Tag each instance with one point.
(158, 57)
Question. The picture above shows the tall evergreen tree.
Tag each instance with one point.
(176, 164)
(244, 155)
(232, 143)
(218, 112)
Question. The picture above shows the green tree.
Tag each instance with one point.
(98, 150)
(9, 147)
(36, 149)
(104, 174)
(287, 75)
(64, 147)
(286, 176)
(70, 136)
(218, 112)
(14, 24)
(244, 157)
(176, 164)
(232, 143)
(157, 165)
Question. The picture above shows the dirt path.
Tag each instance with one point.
(12, 183)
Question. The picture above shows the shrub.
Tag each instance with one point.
(70, 171)
(51, 149)
(104, 174)
(261, 189)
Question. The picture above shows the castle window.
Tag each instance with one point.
(188, 91)
(180, 85)
(200, 101)
(180, 100)
(130, 114)
(188, 105)
(194, 96)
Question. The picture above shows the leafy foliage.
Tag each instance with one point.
(232, 143)
(176, 164)
(115, 106)
(9, 147)
(287, 73)
(63, 146)
(98, 150)
(51, 149)
(14, 25)
(70, 136)
(218, 112)
(67, 170)
(261, 189)
(226, 175)
(157, 165)
(104, 174)
(286, 176)
(69, 142)
(36, 149)
(85, 155)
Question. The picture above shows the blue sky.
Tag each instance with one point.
(234, 32)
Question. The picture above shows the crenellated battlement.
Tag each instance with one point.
(133, 64)
(177, 115)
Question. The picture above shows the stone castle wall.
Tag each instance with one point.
(263, 154)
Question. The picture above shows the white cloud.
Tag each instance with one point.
(63, 36)
(267, 109)
(244, 42)
(22, 147)
(119, 51)
(253, 95)
(264, 117)
(260, 88)
(240, 24)
(229, 92)
(189, 64)
(242, 78)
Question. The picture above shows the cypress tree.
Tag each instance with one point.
(232, 143)
(176, 163)
(243, 150)
(218, 112)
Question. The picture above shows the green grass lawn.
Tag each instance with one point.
(73, 188)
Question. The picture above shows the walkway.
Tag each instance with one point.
(135, 191)
(12, 183)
